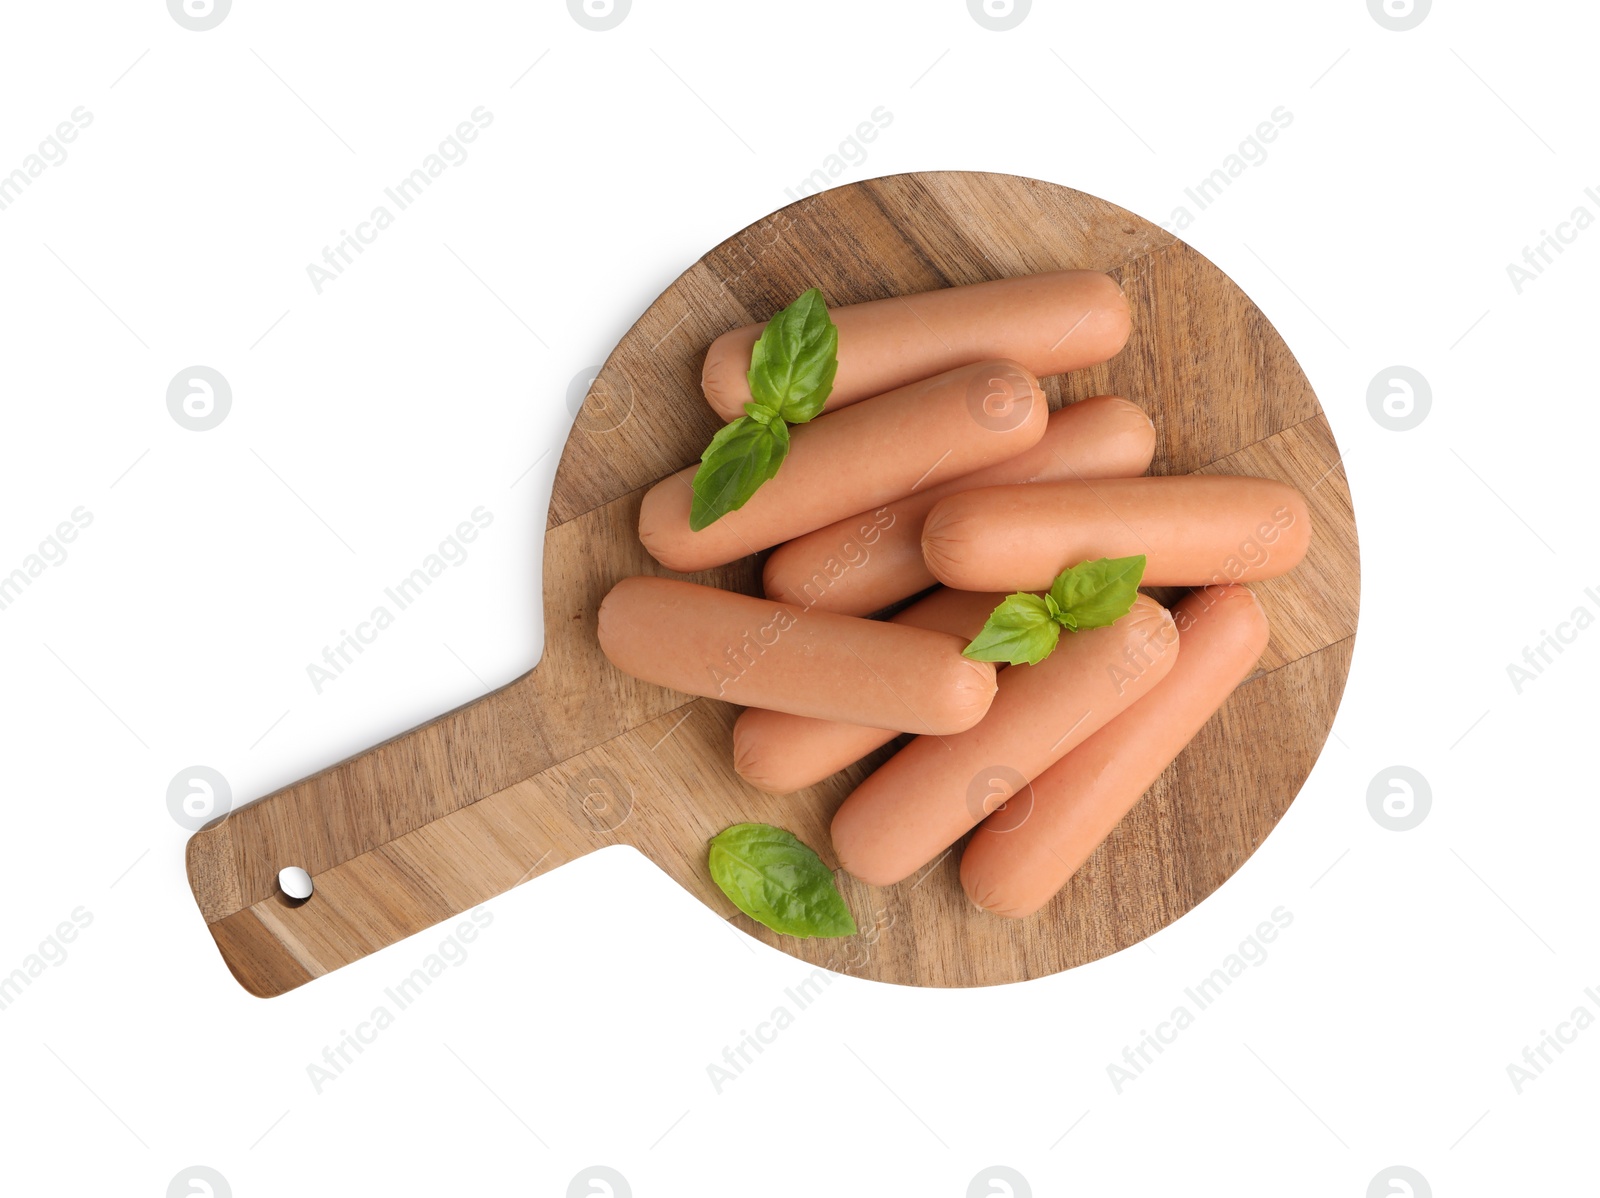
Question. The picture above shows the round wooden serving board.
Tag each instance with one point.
(574, 755)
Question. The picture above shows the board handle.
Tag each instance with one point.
(394, 840)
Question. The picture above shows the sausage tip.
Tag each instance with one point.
(747, 759)
(1139, 415)
(723, 373)
(942, 542)
(983, 896)
(975, 690)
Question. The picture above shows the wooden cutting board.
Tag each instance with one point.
(574, 756)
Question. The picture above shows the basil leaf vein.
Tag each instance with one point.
(1025, 628)
(775, 879)
(1021, 629)
(1100, 592)
(793, 363)
(742, 456)
(792, 367)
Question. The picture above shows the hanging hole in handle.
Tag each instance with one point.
(296, 884)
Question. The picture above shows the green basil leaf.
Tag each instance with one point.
(1059, 615)
(794, 361)
(777, 881)
(742, 456)
(1020, 630)
(1094, 594)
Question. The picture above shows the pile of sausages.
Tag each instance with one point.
(937, 463)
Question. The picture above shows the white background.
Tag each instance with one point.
(368, 420)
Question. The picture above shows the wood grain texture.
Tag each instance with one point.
(575, 755)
